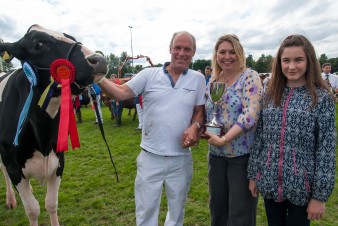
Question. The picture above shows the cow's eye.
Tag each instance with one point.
(38, 45)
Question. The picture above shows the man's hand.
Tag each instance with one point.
(98, 78)
(190, 136)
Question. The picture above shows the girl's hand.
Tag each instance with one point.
(253, 188)
(315, 209)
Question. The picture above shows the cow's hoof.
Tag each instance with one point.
(10, 206)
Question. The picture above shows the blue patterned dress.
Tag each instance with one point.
(294, 153)
(241, 106)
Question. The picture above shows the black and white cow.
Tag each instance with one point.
(34, 155)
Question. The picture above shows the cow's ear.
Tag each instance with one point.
(70, 37)
(6, 57)
(5, 52)
(8, 50)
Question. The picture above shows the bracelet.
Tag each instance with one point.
(197, 124)
(101, 80)
(223, 137)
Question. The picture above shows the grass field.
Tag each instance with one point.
(89, 194)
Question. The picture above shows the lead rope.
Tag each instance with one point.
(93, 95)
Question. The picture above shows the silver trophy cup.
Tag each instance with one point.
(216, 91)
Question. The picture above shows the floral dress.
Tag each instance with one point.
(240, 105)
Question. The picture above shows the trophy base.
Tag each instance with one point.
(218, 130)
(214, 129)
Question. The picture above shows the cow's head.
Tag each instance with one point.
(41, 47)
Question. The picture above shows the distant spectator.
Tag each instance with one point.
(330, 79)
(207, 72)
(266, 81)
(77, 107)
(139, 109)
(117, 106)
(262, 77)
(85, 98)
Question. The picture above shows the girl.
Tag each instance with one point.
(293, 159)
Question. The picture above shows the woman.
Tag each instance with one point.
(292, 162)
(230, 200)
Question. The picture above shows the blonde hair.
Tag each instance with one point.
(239, 51)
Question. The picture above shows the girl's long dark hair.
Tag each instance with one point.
(277, 84)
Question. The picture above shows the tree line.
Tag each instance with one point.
(262, 65)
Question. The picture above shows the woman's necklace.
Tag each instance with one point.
(230, 79)
(227, 81)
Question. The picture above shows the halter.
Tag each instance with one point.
(67, 58)
(62, 72)
(48, 92)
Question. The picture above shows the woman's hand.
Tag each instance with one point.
(215, 140)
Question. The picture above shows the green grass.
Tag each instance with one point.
(90, 195)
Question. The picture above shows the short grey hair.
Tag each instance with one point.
(183, 32)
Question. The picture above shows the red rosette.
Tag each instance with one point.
(62, 69)
(63, 72)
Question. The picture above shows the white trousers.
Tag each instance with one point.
(98, 101)
(139, 115)
(154, 171)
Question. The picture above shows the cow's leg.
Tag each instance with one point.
(51, 201)
(31, 205)
(10, 195)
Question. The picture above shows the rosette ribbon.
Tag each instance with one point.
(63, 72)
(47, 94)
(31, 76)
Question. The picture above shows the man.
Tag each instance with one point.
(173, 103)
(117, 106)
(139, 110)
(207, 72)
(331, 79)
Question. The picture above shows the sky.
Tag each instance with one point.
(104, 25)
